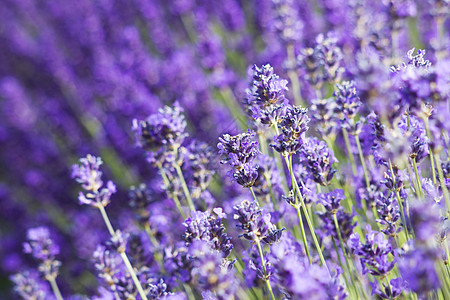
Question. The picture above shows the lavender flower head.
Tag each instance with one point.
(240, 151)
(40, 245)
(265, 97)
(88, 174)
(396, 287)
(347, 101)
(389, 213)
(29, 286)
(318, 159)
(331, 201)
(208, 227)
(374, 253)
(256, 223)
(161, 134)
(210, 273)
(414, 129)
(293, 126)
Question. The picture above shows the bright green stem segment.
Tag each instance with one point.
(263, 264)
(187, 194)
(300, 220)
(349, 150)
(55, 288)
(174, 197)
(254, 196)
(305, 212)
(442, 180)
(416, 172)
(123, 255)
(433, 171)
(341, 241)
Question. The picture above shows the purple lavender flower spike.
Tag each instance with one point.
(161, 134)
(389, 213)
(89, 175)
(255, 223)
(106, 264)
(41, 247)
(293, 126)
(240, 151)
(322, 112)
(396, 287)
(318, 159)
(208, 227)
(417, 269)
(287, 22)
(29, 286)
(374, 253)
(331, 201)
(347, 101)
(209, 272)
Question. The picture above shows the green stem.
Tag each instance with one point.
(123, 254)
(416, 172)
(305, 212)
(363, 161)
(349, 151)
(442, 180)
(341, 241)
(433, 171)
(55, 288)
(342, 266)
(254, 196)
(187, 194)
(133, 275)
(174, 196)
(300, 220)
(263, 264)
(233, 106)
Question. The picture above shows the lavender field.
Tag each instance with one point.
(233, 149)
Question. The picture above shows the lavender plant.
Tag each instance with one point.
(330, 124)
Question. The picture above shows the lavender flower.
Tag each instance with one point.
(88, 174)
(43, 249)
(255, 223)
(207, 227)
(374, 253)
(347, 101)
(322, 112)
(318, 160)
(389, 213)
(240, 151)
(29, 286)
(293, 126)
(287, 22)
(161, 134)
(209, 272)
(396, 287)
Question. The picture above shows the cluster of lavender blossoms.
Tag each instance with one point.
(228, 150)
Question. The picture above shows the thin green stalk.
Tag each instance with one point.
(133, 275)
(349, 151)
(261, 256)
(174, 196)
(343, 268)
(442, 180)
(308, 220)
(187, 194)
(299, 215)
(123, 254)
(416, 172)
(363, 161)
(433, 171)
(55, 288)
(300, 220)
(341, 241)
(254, 196)
(156, 254)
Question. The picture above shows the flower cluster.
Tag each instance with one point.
(240, 151)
